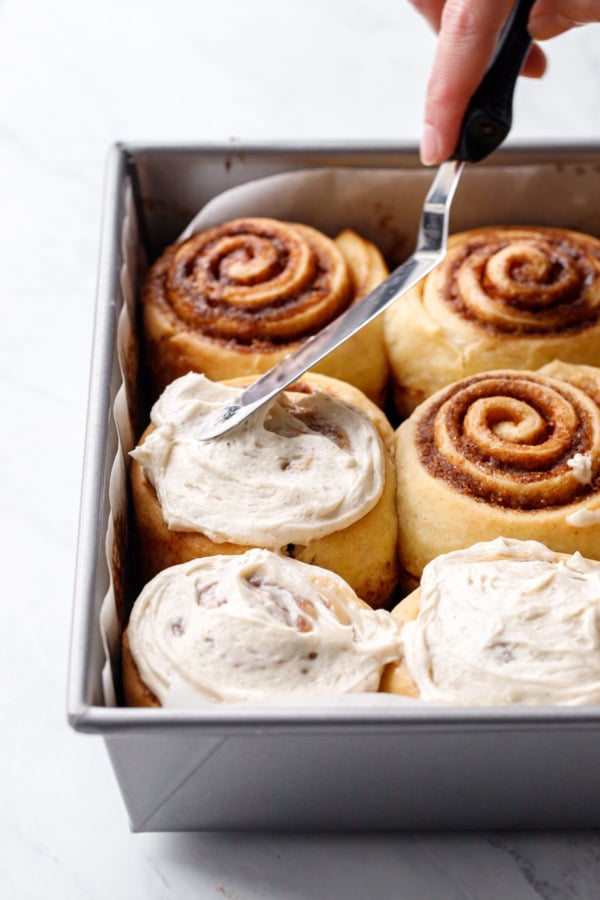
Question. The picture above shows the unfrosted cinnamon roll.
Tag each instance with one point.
(501, 622)
(248, 627)
(502, 453)
(502, 298)
(311, 475)
(237, 298)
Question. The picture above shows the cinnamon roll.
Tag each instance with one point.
(502, 298)
(258, 625)
(502, 453)
(502, 622)
(237, 298)
(310, 475)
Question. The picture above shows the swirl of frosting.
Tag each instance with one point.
(509, 437)
(254, 279)
(295, 471)
(522, 280)
(507, 621)
(236, 628)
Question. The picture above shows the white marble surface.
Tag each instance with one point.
(75, 77)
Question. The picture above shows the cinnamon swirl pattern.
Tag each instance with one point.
(238, 628)
(237, 298)
(310, 475)
(503, 298)
(503, 453)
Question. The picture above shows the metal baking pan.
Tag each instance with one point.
(324, 767)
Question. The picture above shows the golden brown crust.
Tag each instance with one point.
(236, 299)
(396, 678)
(364, 553)
(492, 455)
(504, 297)
(135, 692)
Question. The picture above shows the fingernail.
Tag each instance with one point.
(429, 145)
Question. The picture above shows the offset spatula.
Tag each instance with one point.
(486, 124)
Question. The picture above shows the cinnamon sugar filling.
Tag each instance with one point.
(531, 282)
(253, 281)
(507, 439)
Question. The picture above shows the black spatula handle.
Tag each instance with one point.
(488, 118)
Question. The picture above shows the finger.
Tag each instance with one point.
(431, 10)
(535, 63)
(550, 18)
(468, 35)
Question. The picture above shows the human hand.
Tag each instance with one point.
(468, 33)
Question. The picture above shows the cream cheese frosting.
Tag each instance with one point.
(581, 465)
(507, 622)
(256, 625)
(294, 472)
(583, 518)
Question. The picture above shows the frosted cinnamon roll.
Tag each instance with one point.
(502, 298)
(506, 453)
(237, 298)
(502, 622)
(311, 475)
(259, 625)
